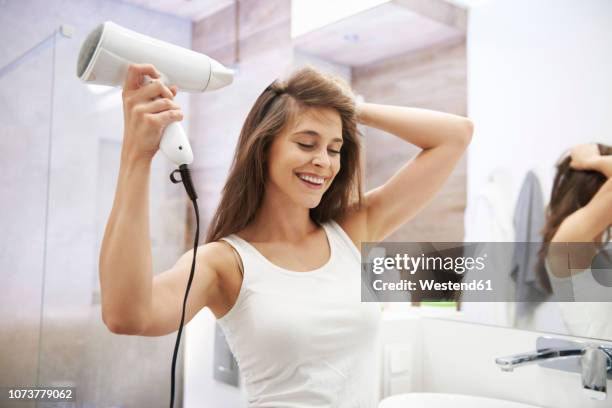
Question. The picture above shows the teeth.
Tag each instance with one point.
(312, 179)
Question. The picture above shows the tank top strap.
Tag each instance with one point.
(239, 244)
(242, 251)
(343, 237)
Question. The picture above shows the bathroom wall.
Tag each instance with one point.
(60, 148)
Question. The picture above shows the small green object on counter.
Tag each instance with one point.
(439, 303)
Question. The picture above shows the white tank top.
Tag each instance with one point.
(305, 339)
(583, 317)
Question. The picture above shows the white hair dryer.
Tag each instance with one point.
(109, 49)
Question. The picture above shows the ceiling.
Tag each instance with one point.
(194, 10)
(390, 29)
(381, 32)
(198, 9)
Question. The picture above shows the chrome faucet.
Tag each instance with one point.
(596, 364)
(593, 361)
(509, 363)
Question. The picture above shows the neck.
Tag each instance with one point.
(280, 221)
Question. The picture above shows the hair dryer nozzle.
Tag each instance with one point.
(220, 76)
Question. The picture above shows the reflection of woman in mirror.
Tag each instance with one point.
(579, 211)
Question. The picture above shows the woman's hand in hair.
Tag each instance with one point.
(604, 165)
(584, 156)
(587, 157)
(147, 110)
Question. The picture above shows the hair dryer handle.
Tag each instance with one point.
(175, 145)
(174, 142)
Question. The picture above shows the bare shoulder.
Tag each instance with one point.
(218, 254)
(354, 223)
(221, 256)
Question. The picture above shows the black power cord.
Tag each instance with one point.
(188, 183)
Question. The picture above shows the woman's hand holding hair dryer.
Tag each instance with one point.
(147, 110)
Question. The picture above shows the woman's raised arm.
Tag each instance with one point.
(443, 138)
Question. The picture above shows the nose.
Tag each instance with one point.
(321, 159)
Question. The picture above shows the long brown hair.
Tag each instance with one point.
(572, 189)
(275, 109)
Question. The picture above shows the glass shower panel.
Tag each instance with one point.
(61, 141)
(26, 81)
(77, 349)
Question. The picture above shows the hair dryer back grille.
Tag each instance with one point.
(88, 48)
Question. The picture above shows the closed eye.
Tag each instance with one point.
(311, 146)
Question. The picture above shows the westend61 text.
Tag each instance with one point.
(431, 284)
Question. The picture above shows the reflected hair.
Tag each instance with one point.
(274, 111)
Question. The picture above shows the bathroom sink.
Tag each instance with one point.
(433, 400)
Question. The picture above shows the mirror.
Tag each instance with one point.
(547, 263)
(533, 99)
(558, 287)
(534, 90)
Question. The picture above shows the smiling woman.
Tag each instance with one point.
(308, 342)
(292, 208)
(304, 125)
(280, 269)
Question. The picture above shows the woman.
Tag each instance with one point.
(579, 212)
(280, 269)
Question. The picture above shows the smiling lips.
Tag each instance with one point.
(313, 182)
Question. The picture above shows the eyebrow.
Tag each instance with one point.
(315, 133)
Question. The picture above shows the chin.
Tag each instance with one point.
(312, 203)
